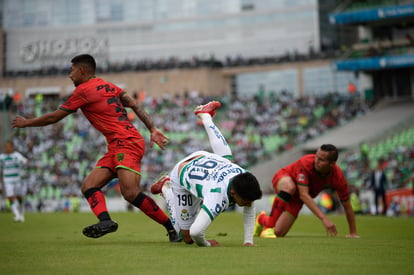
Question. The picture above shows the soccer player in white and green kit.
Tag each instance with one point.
(12, 163)
(204, 184)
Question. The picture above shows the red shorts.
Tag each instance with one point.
(123, 153)
(295, 204)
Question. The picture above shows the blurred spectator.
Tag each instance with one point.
(351, 88)
(379, 184)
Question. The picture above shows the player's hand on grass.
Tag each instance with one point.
(213, 243)
(330, 227)
(158, 137)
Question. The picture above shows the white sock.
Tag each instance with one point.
(169, 199)
(15, 209)
(217, 141)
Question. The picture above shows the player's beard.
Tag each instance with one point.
(323, 170)
(75, 83)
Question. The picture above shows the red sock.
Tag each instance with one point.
(278, 207)
(97, 203)
(263, 220)
(150, 208)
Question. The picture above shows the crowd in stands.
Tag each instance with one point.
(398, 160)
(173, 62)
(396, 155)
(257, 129)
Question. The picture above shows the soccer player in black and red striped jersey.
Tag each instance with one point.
(103, 104)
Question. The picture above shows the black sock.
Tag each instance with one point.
(104, 216)
(168, 225)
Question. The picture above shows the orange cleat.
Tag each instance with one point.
(209, 108)
(156, 187)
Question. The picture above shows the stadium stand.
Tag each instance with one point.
(61, 154)
(266, 131)
(382, 48)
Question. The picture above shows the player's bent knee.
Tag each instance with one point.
(280, 234)
(129, 192)
(286, 184)
(129, 197)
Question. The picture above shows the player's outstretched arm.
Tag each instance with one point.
(350, 216)
(198, 229)
(50, 118)
(249, 216)
(330, 227)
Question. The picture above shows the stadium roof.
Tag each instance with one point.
(369, 15)
(375, 63)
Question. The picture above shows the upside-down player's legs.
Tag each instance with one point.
(217, 141)
(169, 200)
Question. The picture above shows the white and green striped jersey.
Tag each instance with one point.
(208, 178)
(12, 165)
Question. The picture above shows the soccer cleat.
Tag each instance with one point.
(268, 233)
(209, 108)
(156, 187)
(257, 226)
(99, 229)
(174, 236)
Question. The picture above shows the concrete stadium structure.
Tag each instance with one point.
(43, 34)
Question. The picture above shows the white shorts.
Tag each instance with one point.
(185, 204)
(14, 189)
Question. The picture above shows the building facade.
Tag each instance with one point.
(43, 35)
(46, 33)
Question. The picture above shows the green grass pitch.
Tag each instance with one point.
(52, 243)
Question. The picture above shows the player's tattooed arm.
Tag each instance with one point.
(157, 136)
(138, 109)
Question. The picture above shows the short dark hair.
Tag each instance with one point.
(86, 59)
(246, 186)
(331, 149)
